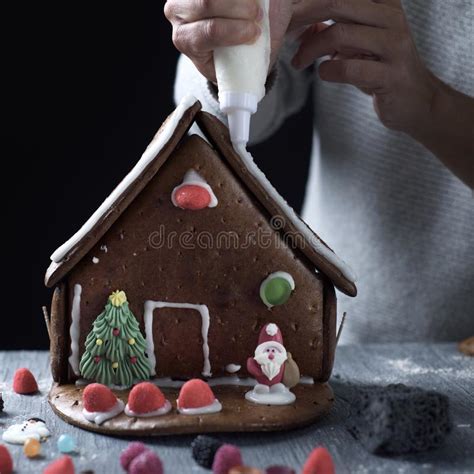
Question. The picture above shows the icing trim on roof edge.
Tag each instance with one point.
(300, 225)
(158, 142)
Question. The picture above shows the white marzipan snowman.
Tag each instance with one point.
(31, 428)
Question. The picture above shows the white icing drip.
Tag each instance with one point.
(271, 329)
(277, 394)
(286, 276)
(296, 221)
(75, 329)
(192, 177)
(18, 434)
(214, 407)
(156, 145)
(95, 260)
(232, 368)
(166, 408)
(104, 248)
(203, 310)
(306, 380)
(98, 417)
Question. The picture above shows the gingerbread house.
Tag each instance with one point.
(193, 235)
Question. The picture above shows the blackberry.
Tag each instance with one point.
(204, 449)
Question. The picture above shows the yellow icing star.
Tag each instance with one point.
(131, 341)
(99, 342)
(118, 298)
(115, 365)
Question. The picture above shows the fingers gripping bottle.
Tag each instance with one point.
(241, 75)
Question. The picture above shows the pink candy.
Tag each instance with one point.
(132, 451)
(227, 457)
(146, 463)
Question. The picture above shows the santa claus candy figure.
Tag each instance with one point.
(268, 367)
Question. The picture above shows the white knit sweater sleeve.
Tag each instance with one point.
(286, 96)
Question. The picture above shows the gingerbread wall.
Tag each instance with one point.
(132, 257)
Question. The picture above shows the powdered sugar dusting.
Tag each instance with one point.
(408, 367)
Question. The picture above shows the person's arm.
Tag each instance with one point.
(371, 47)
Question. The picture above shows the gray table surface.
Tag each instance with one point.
(438, 367)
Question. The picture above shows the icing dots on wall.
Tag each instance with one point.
(276, 289)
(194, 193)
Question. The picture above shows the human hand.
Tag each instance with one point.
(200, 26)
(371, 47)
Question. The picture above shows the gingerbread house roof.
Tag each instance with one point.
(240, 161)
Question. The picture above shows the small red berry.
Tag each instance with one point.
(97, 359)
(116, 331)
(133, 360)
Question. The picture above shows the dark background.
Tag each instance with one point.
(89, 88)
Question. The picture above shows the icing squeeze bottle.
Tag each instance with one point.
(241, 75)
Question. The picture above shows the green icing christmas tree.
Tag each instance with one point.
(115, 348)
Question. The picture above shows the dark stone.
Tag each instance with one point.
(398, 419)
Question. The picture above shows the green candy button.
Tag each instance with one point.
(277, 291)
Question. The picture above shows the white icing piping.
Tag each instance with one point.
(75, 329)
(156, 145)
(98, 417)
(316, 243)
(51, 269)
(232, 368)
(166, 408)
(271, 329)
(203, 310)
(214, 407)
(192, 177)
(277, 394)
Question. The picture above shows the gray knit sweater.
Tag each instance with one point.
(386, 205)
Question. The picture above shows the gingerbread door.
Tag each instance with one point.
(177, 335)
